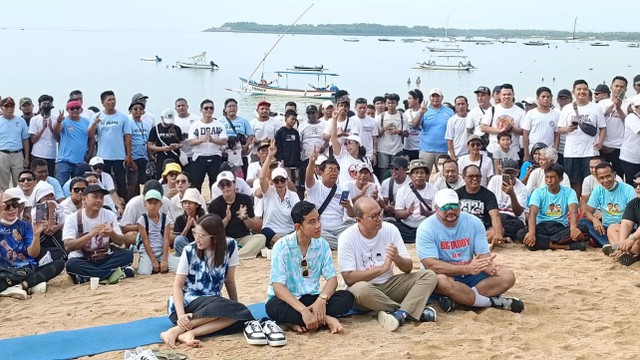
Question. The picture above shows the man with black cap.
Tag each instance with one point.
(147, 117)
(615, 112)
(26, 106)
(563, 98)
(390, 186)
(87, 235)
(253, 171)
(41, 132)
(346, 125)
(483, 97)
(310, 138)
(601, 92)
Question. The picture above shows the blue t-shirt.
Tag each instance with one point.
(611, 203)
(523, 169)
(434, 125)
(74, 136)
(454, 245)
(242, 125)
(139, 137)
(57, 189)
(553, 207)
(111, 131)
(14, 241)
(13, 132)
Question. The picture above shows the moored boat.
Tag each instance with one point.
(198, 62)
(536, 43)
(599, 43)
(431, 65)
(263, 87)
(351, 39)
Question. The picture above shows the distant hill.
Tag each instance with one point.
(415, 31)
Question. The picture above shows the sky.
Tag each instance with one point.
(197, 15)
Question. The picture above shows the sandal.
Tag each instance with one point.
(627, 259)
(169, 355)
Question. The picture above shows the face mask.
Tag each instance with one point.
(46, 110)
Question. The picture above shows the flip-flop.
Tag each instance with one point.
(169, 355)
(627, 259)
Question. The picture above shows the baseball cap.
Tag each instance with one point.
(636, 79)
(483, 89)
(400, 161)
(361, 166)
(509, 164)
(138, 98)
(473, 137)
(312, 108)
(564, 93)
(264, 143)
(171, 167)
(225, 175)
(193, 195)
(15, 193)
(95, 161)
(530, 100)
(320, 160)
(167, 116)
(153, 194)
(263, 103)
(355, 138)
(497, 88)
(327, 104)
(446, 196)
(417, 164)
(435, 91)
(602, 88)
(7, 196)
(279, 172)
(227, 166)
(95, 189)
(25, 100)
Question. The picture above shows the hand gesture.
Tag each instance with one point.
(272, 149)
(423, 106)
(374, 194)
(227, 216)
(364, 190)
(310, 319)
(392, 253)
(507, 188)
(478, 265)
(242, 212)
(319, 309)
(60, 116)
(184, 322)
(314, 155)
(191, 222)
(38, 227)
(411, 208)
(97, 119)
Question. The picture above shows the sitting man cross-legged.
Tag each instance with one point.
(629, 236)
(87, 234)
(297, 262)
(414, 201)
(367, 253)
(454, 245)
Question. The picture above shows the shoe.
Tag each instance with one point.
(129, 272)
(116, 276)
(273, 333)
(446, 304)
(507, 303)
(38, 289)
(627, 259)
(16, 292)
(391, 321)
(145, 354)
(254, 334)
(429, 315)
(577, 245)
(607, 249)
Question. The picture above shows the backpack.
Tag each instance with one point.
(401, 123)
(163, 224)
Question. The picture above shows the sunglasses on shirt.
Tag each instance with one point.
(305, 268)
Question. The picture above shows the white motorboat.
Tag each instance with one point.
(151, 58)
(450, 48)
(599, 43)
(263, 87)
(198, 62)
(432, 65)
(634, 45)
(351, 39)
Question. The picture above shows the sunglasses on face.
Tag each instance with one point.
(11, 204)
(78, 190)
(9, 106)
(75, 108)
(305, 268)
(448, 207)
(475, 144)
(279, 180)
(224, 184)
(475, 176)
(636, 184)
(26, 179)
(207, 108)
(98, 167)
(172, 174)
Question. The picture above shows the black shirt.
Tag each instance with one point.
(289, 148)
(236, 227)
(170, 135)
(632, 211)
(179, 226)
(478, 204)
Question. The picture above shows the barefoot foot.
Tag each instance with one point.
(299, 329)
(169, 337)
(188, 339)
(334, 325)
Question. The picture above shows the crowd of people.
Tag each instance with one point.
(455, 181)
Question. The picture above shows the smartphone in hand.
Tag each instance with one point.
(344, 196)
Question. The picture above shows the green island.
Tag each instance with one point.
(415, 31)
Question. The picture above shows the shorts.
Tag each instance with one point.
(471, 280)
(576, 169)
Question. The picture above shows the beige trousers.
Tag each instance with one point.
(10, 166)
(408, 292)
(251, 245)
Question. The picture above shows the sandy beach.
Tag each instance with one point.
(578, 305)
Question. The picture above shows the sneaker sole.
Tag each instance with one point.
(607, 250)
(277, 343)
(18, 296)
(387, 321)
(255, 341)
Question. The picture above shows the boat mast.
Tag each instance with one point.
(274, 45)
(574, 28)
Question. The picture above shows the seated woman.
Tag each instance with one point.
(45, 209)
(193, 206)
(196, 306)
(532, 164)
(18, 250)
(170, 172)
(183, 182)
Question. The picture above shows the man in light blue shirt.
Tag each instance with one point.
(454, 245)
(14, 144)
(114, 140)
(297, 262)
(611, 197)
(41, 170)
(75, 144)
(553, 216)
(433, 123)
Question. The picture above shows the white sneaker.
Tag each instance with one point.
(275, 335)
(254, 334)
(15, 292)
(38, 289)
(145, 354)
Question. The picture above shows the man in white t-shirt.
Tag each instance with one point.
(580, 146)
(264, 126)
(184, 119)
(253, 171)
(449, 177)
(392, 127)
(331, 198)
(368, 130)
(412, 139)
(511, 195)
(506, 117)
(368, 251)
(311, 132)
(615, 111)
(474, 117)
(414, 201)
(390, 186)
(456, 133)
(42, 134)
(540, 124)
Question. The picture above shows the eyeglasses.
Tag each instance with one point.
(173, 173)
(475, 144)
(207, 108)
(181, 181)
(26, 179)
(279, 180)
(78, 190)
(305, 268)
(11, 204)
(137, 108)
(636, 184)
(75, 108)
(232, 106)
(98, 167)
(448, 207)
(396, 168)
(475, 176)
(224, 184)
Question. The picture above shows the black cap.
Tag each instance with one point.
(564, 93)
(483, 89)
(312, 108)
(602, 88)
(95, 189)
(510, 164)
(400, 161)
(497, 88)
(227, 166)
(636, 79)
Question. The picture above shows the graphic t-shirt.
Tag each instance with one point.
(390, 143)
(611, 203)
(501, 117)
(553, 207)
(70, 230)
(14, 241)
(200, 129)
(139, 135)
(478, 204)
(169, 135)
(578, 144)
(277, 212)
(185, 124)
(74, 137)
(236, 228)
(111, 131)
(310, 137)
